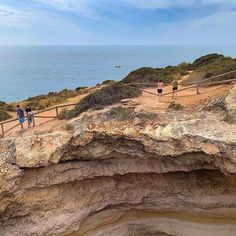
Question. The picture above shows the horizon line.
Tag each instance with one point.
(19, 45)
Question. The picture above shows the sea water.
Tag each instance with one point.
(32, 70)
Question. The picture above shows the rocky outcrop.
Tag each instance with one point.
(230, 102)
(119, 171)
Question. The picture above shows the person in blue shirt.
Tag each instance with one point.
(21, 116)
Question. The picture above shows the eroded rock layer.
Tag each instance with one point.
(122, 172)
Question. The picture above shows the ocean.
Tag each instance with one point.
(32, 70)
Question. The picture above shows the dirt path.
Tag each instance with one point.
(187, 98)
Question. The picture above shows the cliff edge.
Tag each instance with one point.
(122, 171)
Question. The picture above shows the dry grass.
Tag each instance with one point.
(3, 111)
(42, 102)
(110, 94)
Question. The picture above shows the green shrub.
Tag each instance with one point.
(69, 127)
(4, 115)
(209, 65)
(106, 82)
(184, 65)
(212, 65)
(10, 108)
(147, 116)
(2, 104)
(204, 61)
(220, 66)
(3, 111)
(80, 88)
(42, 102)
(175, 106)
(63, 114)
(108, 95)
(153, 75)
(121, 113)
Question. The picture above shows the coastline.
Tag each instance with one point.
(31, 71)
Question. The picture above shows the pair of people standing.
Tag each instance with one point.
(160, 88)
(21, 115)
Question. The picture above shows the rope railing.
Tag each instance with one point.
(193, 85)
(148, 92)
(35, 115)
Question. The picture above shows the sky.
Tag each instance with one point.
(117, 22)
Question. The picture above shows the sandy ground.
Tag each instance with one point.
(150, 102)
(188, 98)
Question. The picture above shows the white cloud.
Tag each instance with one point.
(233, 2)
(221, 20)
(79, 6)
(64, 4)
(12, 18)
(214, 29)
(167, 4)
(159, 4)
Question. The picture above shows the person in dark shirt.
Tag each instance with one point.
(29, 114)
(20, 115)
(175, 85)
(28, 109)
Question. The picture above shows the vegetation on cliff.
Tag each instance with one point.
(204, 61)
(3, 111)
(110, 92)
(175, 106)
(206, 66)
(152, 75)
(212, 65)
(41, 102)
(203, 67)
(108, 95)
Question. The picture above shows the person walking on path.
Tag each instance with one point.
(160, 87)
(29, 114)
(175, 85)
(20, 115)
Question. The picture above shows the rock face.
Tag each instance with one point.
(230, 102)
(122, 173)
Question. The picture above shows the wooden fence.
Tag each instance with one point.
(34, 116)
(197, 85)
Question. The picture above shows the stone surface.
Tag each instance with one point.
(122, 173)
(230, 102)
(40, 149)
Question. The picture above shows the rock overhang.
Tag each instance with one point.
(60, 182)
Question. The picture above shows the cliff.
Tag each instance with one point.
(122, 171)
(202, 68)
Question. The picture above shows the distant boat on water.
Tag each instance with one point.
(117, 66)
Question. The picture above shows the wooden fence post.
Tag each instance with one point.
(198, 88)
(2, 130)
(33, 120)
(57, 112)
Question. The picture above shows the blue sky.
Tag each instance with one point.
(102, 22)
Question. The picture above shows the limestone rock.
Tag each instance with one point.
(40, 150)
(170, 174)
(230, 102)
